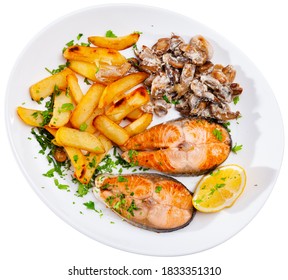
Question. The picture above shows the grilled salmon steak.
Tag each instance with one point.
(186, 146)
(150, 201)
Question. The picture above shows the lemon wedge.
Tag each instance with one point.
(219, 189)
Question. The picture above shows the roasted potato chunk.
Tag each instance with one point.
(118, 43)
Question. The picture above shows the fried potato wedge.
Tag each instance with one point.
(78, 161)
(46, 86)
(127, 104)
(62, 109)
(120, 86)
(88, 125)
(87, 105)
(94, 54)
(70, 137)
(134, 115)
(92, 160)
(139, 125)
(118, 43)
(74, 88)
(83, 68)
(30, 116)
(111, 130)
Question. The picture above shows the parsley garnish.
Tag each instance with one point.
(236, 99)
(83, 126)
(236, 148)
(60, 186)
(158, 189)
(110, 34)
(218, 134)
(59, 69)
(132, 207)
(122, 179)
(66, 107)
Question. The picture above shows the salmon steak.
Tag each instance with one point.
(186, 146)
(151, 201)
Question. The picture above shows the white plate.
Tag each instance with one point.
(260, 131)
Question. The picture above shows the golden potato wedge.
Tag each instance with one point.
(128, 104)
(51, 130)
(74, 88)
(78, 161)
(139, 125)
(93, 160)
(88, 125)
(94, 54)
(87, 105)
(70, 137)
(134, 115)
(62, 110)
(118, 43)
(83, 68)
(121, 86)
(111, 130)
(46, 86)
(30, 116)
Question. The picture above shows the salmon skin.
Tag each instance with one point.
(186, 146)
(151, 201)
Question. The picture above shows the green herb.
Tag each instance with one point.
(110, 34)
(91, 206)
(226, 125)
(218, 134)
(197, 201)
(49, 173)
(59, 69)
(216, 187)
(92, 163)
(166, 98)
(85, 44)
(60, 186)
(75, 158)
(122, 179)
(236, 99)
(86, 81)
(131, 154)
(83, 126)
(107, 165)
(79, 36)
(236, 148)
(138, 32)
(158, 189)
(132, 208)
(66, 107)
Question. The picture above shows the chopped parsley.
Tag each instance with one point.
(91, 206)
(122, 179)
(236, 148)
(83, 126)
(66, 107)
(60, 186)
(132, 207)
(59, 69)
(158, 189)
(236, 99)
(218, 134)
(110, 34)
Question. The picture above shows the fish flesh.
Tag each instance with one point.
(186, 146)
(151, 201)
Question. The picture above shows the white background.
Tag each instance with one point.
(36, 244)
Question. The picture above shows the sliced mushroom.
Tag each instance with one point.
(162, 46)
